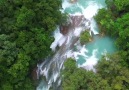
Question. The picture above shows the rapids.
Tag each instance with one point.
(81, 14)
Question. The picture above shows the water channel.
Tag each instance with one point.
(87, 55)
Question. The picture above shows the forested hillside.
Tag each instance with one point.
(114, 21)
(26, 27)
(109, 75)
(112, 71)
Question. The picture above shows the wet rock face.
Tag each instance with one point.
(78, 21)
(75, 21)
(34, 73)
(64, 29)
(72, 1)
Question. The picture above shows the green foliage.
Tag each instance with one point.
(84, 37)
(111, 69)
(105, 21)
(25, 29)
(65, 19)
(118, 7)
(114, 21)
(121, 5)
(111, 74)
(79, 79)
(122, 30)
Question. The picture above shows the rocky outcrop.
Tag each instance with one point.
(34, 73)
(64, 29)
(72, 1)
(75, 21)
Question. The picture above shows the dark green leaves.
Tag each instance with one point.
(25, 38)
(85, 37)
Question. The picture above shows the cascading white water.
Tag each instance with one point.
(59, 39)
(50, 69)
(89, 8)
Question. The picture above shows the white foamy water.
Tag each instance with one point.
(66, 4)
(90, 11)
(69, 54)
(77, 31)
(51, 68)
(59, 39)
(90, 61)
(76, 14)
(81, 52)
(94, 27)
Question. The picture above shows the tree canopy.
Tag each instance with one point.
(25, 36)
(114, 22)
(84, 37)
(111, 74)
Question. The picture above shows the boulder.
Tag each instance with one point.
(64, 29)
(34, 74)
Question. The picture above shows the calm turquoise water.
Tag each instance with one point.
(100, 45)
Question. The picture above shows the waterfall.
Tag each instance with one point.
(82, 19)
(50, 69)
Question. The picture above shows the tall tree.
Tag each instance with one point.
(79, 79)
(25, 36)
(112, 68)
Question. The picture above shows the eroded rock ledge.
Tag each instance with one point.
(73, 22)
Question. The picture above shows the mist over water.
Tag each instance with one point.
(87, 55)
